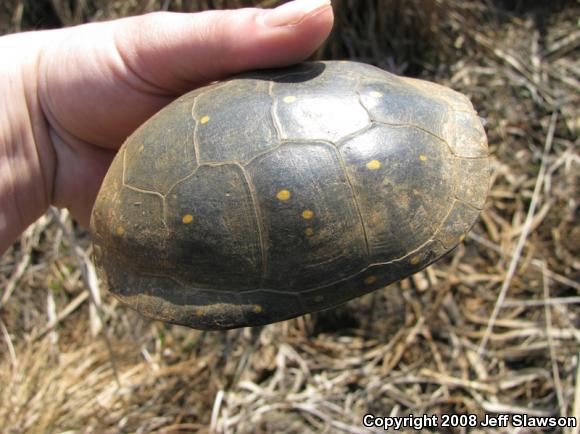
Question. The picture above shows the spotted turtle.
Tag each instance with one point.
(282, 192)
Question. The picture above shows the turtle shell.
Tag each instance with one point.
(283, 192)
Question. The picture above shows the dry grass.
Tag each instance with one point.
(492, 328)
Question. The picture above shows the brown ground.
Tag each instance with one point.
(491, 329)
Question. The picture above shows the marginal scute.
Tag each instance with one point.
(163, 298)
(469, 139)
(402, 104)
(166, 299)
(421, 257)
(452, 98)
(356, 70)
(474, 175)
(358, 284)
(273, 305)
(463, 131)
(369, 280)
(335, 293)
(457, 223)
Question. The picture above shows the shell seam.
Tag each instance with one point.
(274, 291)
(141, 190)
(275, 120)
(355, 200)
(195, 147)
(259, 222)
(458, 199)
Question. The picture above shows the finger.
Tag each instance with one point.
(103, 80)
(178, 51)
(76, 186)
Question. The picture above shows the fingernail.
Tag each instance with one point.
(292, 13)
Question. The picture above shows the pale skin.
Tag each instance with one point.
(70, 97)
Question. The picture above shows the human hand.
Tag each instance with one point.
(70, 97)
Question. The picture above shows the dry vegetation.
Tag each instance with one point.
(493, 328)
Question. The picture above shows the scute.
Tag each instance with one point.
(155, 147)
(455, 100)
(394, 102)
(403, 181)
(357, 70)
(129, 223)
(138, 225)
(234, 121)
(213, 225)
(457, 223)
(475, 174)
(325, 107)
(467, 133)
(313, 231)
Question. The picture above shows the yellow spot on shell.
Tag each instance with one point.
(373, 165)
(289, 99)
(308, 232)
(258, 308)
(141, 147)
(283, 195)
(415, 260)
(187, 218)
(199, 311)
(376, 94)
(461, 238)
(369, 280)
(204, 119)
(307, 214)
(423, 157)
(120, 230)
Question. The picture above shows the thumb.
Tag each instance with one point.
(179, 51)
